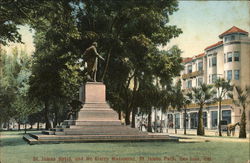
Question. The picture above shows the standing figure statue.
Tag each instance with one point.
(90, 57)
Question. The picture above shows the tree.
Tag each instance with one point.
(202, 95)
(15, 85)
(14, 13)
(241, 98)
(64, 29)
(148, 98)
(223, 87)
(182, 100)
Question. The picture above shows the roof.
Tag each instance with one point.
(185, 60)
(200, 55)
(233, 30)
(214, 45)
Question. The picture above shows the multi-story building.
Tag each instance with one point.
(230, 59)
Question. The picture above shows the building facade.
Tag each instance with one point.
(229, 59)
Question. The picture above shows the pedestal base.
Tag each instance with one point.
(96, 122)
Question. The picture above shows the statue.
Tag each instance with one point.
(90, 57)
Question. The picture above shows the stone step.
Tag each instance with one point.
(96, 105)
(95, 122)
(97, 115)
(103, 127)
(101, 132)
(46, 139)
(30, 139)
(48, 132)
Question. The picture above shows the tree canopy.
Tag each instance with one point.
(128, 34)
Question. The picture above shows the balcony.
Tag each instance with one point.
(223, 102)
(192, 74)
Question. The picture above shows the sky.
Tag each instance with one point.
(201, 22)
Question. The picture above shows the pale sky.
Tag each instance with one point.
(201, 22)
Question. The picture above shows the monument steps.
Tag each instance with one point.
(96, 122)
(54, 139)
(101, 122)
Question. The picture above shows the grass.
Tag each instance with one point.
(14, 150)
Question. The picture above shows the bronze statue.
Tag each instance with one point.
(90, 57)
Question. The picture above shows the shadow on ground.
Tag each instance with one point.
(12, 141)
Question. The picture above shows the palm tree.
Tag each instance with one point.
(185, 100)
(202, 95)
(182, 100)
(223, 87)
(242, 99)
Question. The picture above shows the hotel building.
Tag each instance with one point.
(229, 59)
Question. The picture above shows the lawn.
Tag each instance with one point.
(14, 150)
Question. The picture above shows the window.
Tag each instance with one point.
(232, 37)
(200, 81)
(236, 74)
(236, 56)
(177, 121)
(225, 58)
(229, 74)
(189, 84)
(226, 115)
(226, 39)
(200, 66)
(214, 77)
(209, 60)
(214, 61)
(189, 68)
(193, 120)
(229, 57)
(205, 119)
(214, 119)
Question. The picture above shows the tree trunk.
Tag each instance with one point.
(175, 129)
(107, 64)
(8, 125)
(161, 125)
(155, 125)
(46, 116)
(133, 101)
(119, 114)
(25, 127)
(56, 119)
(149, 121)
(37, 127)
(19, 126)
(200, 128)
(185, 121)
(243, 124)
(133, 118)
(127, 117)
(141, 122)
(219, 119)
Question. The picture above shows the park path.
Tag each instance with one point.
(194, 138)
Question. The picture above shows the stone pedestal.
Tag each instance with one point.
(95, 107)
(94, 92)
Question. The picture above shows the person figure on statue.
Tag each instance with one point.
(90, 57)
